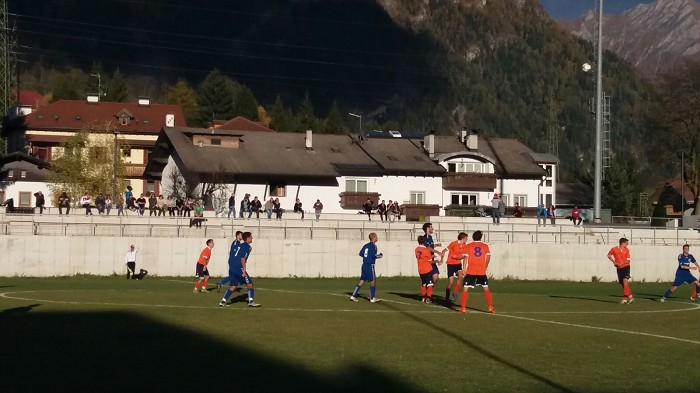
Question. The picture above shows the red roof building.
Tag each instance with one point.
(239, 123)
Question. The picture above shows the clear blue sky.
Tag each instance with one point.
(569, 9)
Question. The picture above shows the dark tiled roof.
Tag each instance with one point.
(400, 156)
(36, 168)
(240, 123)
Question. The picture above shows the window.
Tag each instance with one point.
(466, 167)
(2, 196)
(548, 168)
(23, 174)
(25, 199)
(124, 120)
(506, 199)
(216, 141)
(548, 183)
(548, 199)
(520, 199)
(465, 199)
(151, 187)
(417, 197)
(277, 190)
(356, 185)
(11, 173)
(126, 152)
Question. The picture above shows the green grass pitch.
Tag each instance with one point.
(113, 335)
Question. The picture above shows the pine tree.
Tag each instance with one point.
(214, 98)
(278, 114)
(245, 104)
(305, 115)
(334, 120)
(118, 90)
(182, 94)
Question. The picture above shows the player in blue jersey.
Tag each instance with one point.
(683, 274)
(369, 257)
(227, 279)
(238, 272)
(430, 244)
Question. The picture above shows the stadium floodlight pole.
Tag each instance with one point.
(114, 184)
(360, 117)
(599, 120)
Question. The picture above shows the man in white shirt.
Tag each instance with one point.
(130, 260)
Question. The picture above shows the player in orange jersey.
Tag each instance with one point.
(424, 257)
(202, 270)
(457, 250)
(478, 256)
(620, 257)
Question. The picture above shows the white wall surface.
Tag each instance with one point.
(13, 189)
(60, 255)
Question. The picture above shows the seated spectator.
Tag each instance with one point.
(576, 216)
(269, 205)
(277, 208)
(518, 211)
(198, 216)
(298, 208)
(9, 205)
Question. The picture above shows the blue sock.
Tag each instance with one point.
(667, 294)
(224, 281)
(227, 295)
(357, 289)
(372, 291)
(251, 294)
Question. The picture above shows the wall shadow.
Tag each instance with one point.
(126, 352)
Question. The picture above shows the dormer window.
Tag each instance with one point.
(124, 120)
(124, 117)
(11, 173)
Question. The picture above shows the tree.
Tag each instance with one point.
(68, 86)
(263, 118)
(245, 104)
(215, 98)
(96, 84)
(117, 90)
(680, 95)
(182, 94)
(85, 163)
(305, 115)
(278, 115)
(334, 120)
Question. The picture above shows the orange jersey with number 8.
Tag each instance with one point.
(476, 258)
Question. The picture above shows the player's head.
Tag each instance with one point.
(623, 242)
(373, 237)
(462, 237)
(476, 236)
(686, 248)
(247, 237)
(210, 243)
(239, 235)
(421, 240)
(132, 246)
(428, 228)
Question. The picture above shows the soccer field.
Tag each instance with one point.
(113, 335)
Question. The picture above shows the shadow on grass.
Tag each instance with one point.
(590, 299)
(481, 350)
(126, 352)
(19, 310)
(436, 300)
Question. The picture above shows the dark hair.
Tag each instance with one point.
(426, 226)
(421, 240)
(373, 235)
(462, 235)
(239, 233)
(209, 241)
(476, 236)
(686, 245)
(247, 235)
(623, 240)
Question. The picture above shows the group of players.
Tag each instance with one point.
(467, 264)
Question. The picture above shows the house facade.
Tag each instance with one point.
(21, 176)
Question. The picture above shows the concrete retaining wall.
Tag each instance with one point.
(68, 255)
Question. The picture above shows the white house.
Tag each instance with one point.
(21, 176)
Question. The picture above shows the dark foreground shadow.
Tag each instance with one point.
(125, 352)
(589, 299)
(19, 310)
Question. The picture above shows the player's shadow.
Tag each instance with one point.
(6, 286)
(238, 299)
(19, 310)
(589, 299)
(436, 300)
(493, 356)
(124, 352)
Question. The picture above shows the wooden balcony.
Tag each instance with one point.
(355, 200)
(459, 181)
(132, 171)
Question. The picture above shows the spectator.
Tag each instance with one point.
(170, 202)
(495, 202)
(198, 216)
(130, 262)
(131, 204)
(382, 210)
(576, 216)
(397, 210)
(85, 202)
(367, 207)
(541, 214)
(100, 203)
(501, 209)
(152, 205)
(318, 209)
(518, 210)
(9, 205)
(40, 201)
(232, 206)
(269, 205)
(163, 204)
(298, 208)
(255, 207)
(141, 202)
(108, 204)
(391, 214)
(551, 214)
(64, 202)
(179, 206)
(245, 205)
(189, 206)
(129, 198)
(277, 208)
(120, 207)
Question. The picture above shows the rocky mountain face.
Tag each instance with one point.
(655, 37)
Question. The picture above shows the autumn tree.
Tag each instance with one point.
(263, 118)
(182, 94)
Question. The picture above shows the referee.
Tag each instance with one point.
(130, 260)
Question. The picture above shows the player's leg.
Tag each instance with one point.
(460, 279)
(627, 292)
(450, 281)
(235, 280)
(364, 276)
(373, 286)
(224, 281)
(694, 291)
(669, 292)
(251, 291)
(198, 284)
(467, 283)
(205, 282)
(423, 290)
(487, 293)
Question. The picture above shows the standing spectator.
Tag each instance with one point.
(100, 203)
(130, 261)
(64, 202)
(120, 206)
(128, 194)
(9, 205)
(277, 208)
(232, 206)
(541, 214)
(108, 204)
(245, 205)
(381, 209)
(367, 207)
(86, 201)
(495, 212)
(40, 201)
(269, 205)
(550, 213)
(141, 202)
(163, 205)
(576, 215)
(318, 209)
(255, 207)
(170, 203)
(501, 209)
(152, 205)
(518, 210)
(298, 208)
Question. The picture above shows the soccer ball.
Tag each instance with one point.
(586, 67)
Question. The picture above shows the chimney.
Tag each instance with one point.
(93, 98)
(309, 140)
(170, 120)
(429, 144)
(144, 101)
(463, 135)
(473, 141)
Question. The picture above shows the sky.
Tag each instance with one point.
(569, 9)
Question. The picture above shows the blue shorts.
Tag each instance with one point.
(622, 273)
(435, 269)
(471, 281)
(202, 271)
(453, 270)
(427, 279)
(368, 272)
(683, 276)
(238, 279)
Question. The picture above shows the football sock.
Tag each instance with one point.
(489, 298)
(694, 292)
(430, 292)
(372, 291)
(667, 294)
(626, 290)
(227, 295)
(357, 289)
(423, 290)
(251, 293)
(205, 284)
(465, 294)
(196, 285)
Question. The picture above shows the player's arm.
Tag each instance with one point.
(488, 259)
(611, 257)
(465, 262)
(244, 260)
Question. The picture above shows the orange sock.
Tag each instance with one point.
(694, 292)
(626, 291)
(464, 299)
(430, 292)
(204, 285)
(196, 285)
(489, 298)
(423, 290)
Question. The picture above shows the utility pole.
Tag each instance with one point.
(597, 199)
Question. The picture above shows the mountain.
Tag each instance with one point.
(654, 37)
